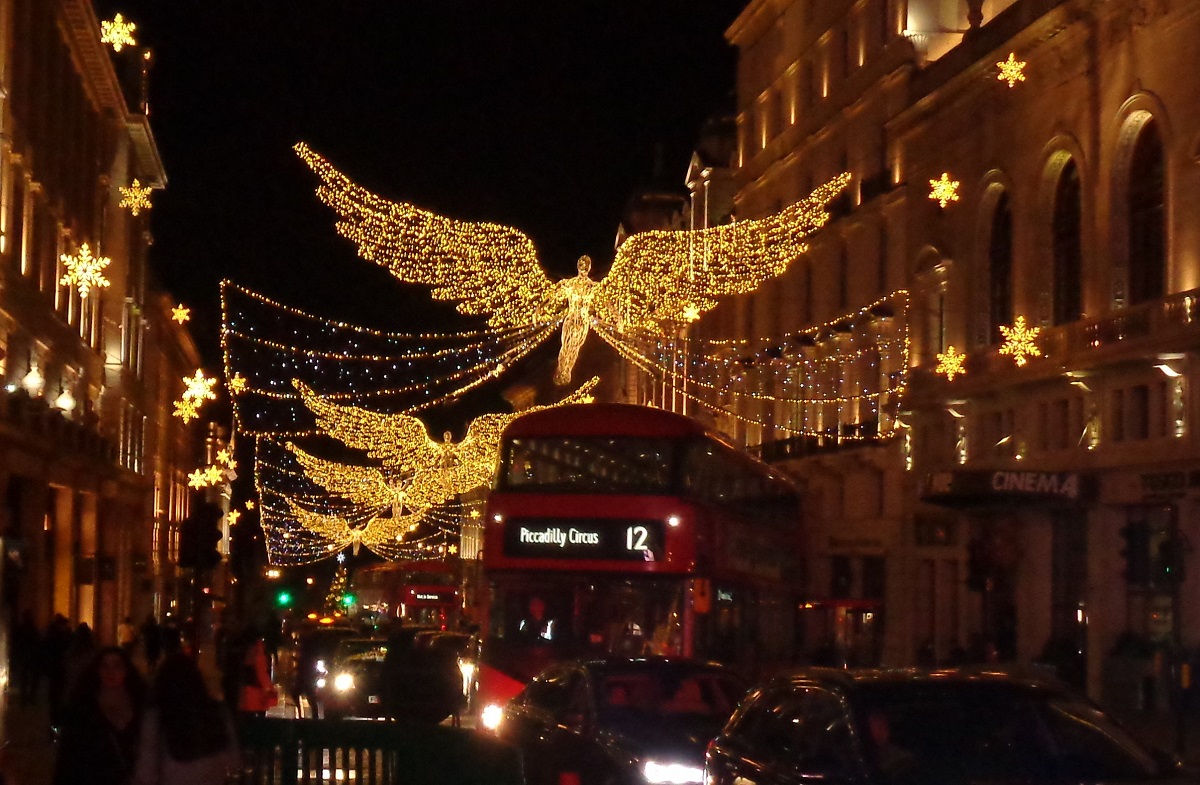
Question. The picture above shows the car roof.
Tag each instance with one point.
(1017, 676)
(650, 664)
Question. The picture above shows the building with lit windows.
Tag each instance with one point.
(90, 458)
(1042, 511)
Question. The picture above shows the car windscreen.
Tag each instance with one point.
(361, 651)
(665, 692)
(989, 732)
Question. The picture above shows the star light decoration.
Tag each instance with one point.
(943, 190)
(197, 389)
(1011, 70)
(117, 33)
(232, 517)
(181, 313)
(215, 473)
(1020, 341)
(658, 280)
(951, 363)
(135, 197)
(236, 384)
(84, 271)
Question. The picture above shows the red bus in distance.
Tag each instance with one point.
(420, 593)
(621, 530)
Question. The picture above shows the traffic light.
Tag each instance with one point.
(1170, 562)
(284, 599)
(348, 600)
(199, 535)
(1136, 552)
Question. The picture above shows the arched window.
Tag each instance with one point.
(1147, 218)
(1000, 308)
(1068, 246)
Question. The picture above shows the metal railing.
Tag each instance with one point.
(339, 752)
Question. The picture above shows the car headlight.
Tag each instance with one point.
(321, 684)
(320, 666)
(491, 716)
(466, 668)
(343, 682)
(665, 773)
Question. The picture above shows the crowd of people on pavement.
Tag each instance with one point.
(139, 712)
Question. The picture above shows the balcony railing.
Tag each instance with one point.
(853, 436)
(35, 418)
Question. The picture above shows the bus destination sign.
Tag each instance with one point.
(588, 538)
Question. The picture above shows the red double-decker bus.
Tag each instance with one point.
(619, 530)
(421, 592)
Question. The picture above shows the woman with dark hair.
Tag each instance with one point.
(100, 722)
(187, 735)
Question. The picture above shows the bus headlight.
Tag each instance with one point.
(491, 716)
(664, 773)
(343, 682)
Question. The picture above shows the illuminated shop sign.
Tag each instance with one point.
(984, 487)
(549, 538)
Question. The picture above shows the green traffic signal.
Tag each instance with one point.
(284, 599)
(348, 600)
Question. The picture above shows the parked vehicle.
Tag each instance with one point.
(354, 684)
(924, 728)
(620, 721)
(421, 682)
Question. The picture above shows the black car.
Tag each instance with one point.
(312, 650)
(620, 721)
(354, 685)
(924, 728)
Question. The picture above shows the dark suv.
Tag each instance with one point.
(924, 728)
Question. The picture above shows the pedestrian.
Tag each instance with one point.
(79, 654)
(127, 635)
(98, 745)
(257, 692)
(187, 735)
(25, 656)
(55, 644)
(152, 641)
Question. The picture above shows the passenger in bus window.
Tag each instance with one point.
(535, 627)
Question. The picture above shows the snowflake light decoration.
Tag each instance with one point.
(237, 384)
(135, 198)
(186, 410)
(181, 313)
(943, 190)
(1020, 341)
(84, 271)
(199, 388)
(691, 313)
(197, 479)
(224, 456)
(1011, 70)
(118, 33)
(950, 363)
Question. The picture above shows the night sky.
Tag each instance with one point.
(544, 116)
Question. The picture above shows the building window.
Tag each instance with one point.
(1000, 268)
(1147, 224)
(1068, 246)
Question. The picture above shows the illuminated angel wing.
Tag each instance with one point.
(340, 534)
(364, 485)
(661, 277)
(400, 441)
(330, 527)
(476, 455)
(490, 269)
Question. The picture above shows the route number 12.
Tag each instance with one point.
(635, 538)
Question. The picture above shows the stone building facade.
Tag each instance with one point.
(1022, 513)
(91, 460)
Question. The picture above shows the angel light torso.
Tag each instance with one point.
(577, 292)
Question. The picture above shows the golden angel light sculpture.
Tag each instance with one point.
(658, 280)
(419, 476)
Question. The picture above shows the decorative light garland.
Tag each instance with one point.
(135, 197)
(658, 280)
(117, 33)
(84, 271)
(943, 190)
(1020, 341)
(951, 363)
(1011, 70)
